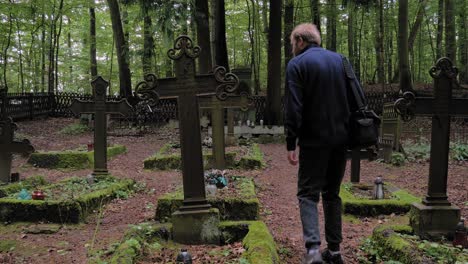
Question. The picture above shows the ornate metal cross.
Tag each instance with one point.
(99, 107)
(217, 121)
(187, 86)
(441, 107)
(8, 146)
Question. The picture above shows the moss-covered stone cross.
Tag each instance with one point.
(100, 107)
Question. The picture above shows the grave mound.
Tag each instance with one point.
(68, 201)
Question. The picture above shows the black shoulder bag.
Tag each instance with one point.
(363, 123)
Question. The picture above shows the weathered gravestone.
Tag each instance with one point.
(217, 122)
(100, 108)
(390, 131)
(195, 222)
(356, 155)
(8, 146)
(436, 217)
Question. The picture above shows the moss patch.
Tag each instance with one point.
(397, 243)
(399, 203)
(165, 159)
(73, 159)
(28, 183)
(62, 208)
(258, 243)
(238, 204)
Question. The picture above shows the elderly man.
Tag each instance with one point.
(316, 119)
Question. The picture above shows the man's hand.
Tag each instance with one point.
(292, 157)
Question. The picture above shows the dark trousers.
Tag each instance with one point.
(321, 171)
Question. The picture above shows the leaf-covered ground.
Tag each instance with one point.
(276, 187)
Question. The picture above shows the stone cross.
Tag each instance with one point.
(217, 122)
(100, 107)
(436, 217)
(356, 155)
(187, 86)
(8, 146)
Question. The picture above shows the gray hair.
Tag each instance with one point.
(308, 32)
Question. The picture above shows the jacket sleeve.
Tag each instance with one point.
(293, 105)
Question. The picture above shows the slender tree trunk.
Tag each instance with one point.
(121, 47)
(265, 16)
(380, 46)
(221, 55)
(203, 35)
(450, 42)
(92, 42)
(57, 44)
(148, 45)
(351, 10)
(52, 43)
(315, 13)
(20, 57)
(405, 75)
(440, 29)
(212, 20)
(331, 25)
(274, 64)
(70, 54)
(463, 40)
(288, 28)
(43, 53)
(417, 24)
(5, 50)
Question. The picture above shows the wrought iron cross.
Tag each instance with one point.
(8, 146)
(187, 86)
(99, 107)
(217, 121)
(441, 107)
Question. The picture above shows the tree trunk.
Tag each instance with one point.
(450, 42)
(5, 50)
(440, 29)
(121, 47)
(221, 55)
(288, 28)
(274, 64)
(351, 10)
(379, 47)
(43, 53)
(148, 44)
(265, 16)
(20, 56)
(405, 75)
(92, 42)
(57, 44)
(417, 24)
(463, 40)
(52, 43)
(331, 25)
(315, 13)
(203, 35)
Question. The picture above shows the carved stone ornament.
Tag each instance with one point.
(183, 45)
(404, 106)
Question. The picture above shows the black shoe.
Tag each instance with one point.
(330, 258)
(313, 258)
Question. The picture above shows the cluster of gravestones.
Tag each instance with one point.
(218, 91)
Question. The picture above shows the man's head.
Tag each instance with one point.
(304, 35)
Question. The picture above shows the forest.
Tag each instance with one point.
(59, 46)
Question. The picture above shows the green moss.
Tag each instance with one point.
(253, 159)
(74, 129)
(259, 244)
(351, 219)
(369, 207)
(7, 245)
(70, 159)
(127, 252)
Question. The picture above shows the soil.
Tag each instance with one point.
(276, 188)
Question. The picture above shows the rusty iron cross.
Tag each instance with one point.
(441, 107)
(100, 107)
(186, 87)
(8, 146)
(242, 101)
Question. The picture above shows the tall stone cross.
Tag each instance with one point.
(217, 121)
(100, 107)
(8, 146)
(187, 86)
(436, 217)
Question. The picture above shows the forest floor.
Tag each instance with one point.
(276, 188)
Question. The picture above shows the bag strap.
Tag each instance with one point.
(350, 77)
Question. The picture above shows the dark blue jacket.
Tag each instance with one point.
(316, 99)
